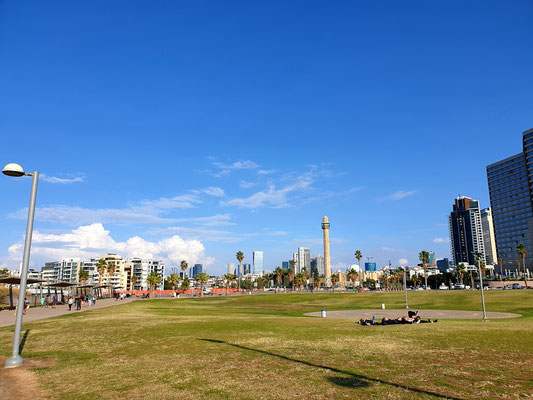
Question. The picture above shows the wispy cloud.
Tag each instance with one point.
(225, 169)
(211, 191)
(399, 195)
(246, 185)
(440, 240)
(271, 197)
(266, 171)
(63, 181)
(202, 234)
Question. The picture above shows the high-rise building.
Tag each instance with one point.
(247, 269)
(258, 262)
(431, 258)
(304, 260)
(318, 264)
(443, 264)
(197, 269)
(466, 232)
(285, 264)
(511, 199)
(370, 266)
(489, 240)
(230, 268)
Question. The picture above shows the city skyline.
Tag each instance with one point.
(180, 142)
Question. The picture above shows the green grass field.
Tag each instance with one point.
(262, 347)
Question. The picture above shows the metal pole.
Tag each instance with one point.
(15, 360)
(405, 286)
(482, 298)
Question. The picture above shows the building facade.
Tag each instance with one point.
(258, 262)
(304, 260)
(489, 241)
(510, 187)
(230, 268)
(197, 269)
(466, 231)
(318, 264)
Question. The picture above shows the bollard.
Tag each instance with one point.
(323, 313)
(382, 306)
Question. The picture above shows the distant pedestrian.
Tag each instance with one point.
(42, 301)
(26, 304)
(54, 302)
(78, 303)
(70, 303)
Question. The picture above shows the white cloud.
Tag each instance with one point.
(225, 169)
(266, 171)
(214, 191)
(271, 197)
(440, 240)
(164, 203)
(215, 220)
(246, 185)
(93, 241)
(399, 195)
(55, 179)
(403, 261)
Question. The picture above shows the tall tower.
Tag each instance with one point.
(327, 261)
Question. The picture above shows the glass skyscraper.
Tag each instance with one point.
(258, 262)
(466, 232)
(510, 187)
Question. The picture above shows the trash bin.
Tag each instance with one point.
(382, 306)
(323, 314)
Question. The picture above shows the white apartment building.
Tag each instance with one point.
(304, 260)
(489, 240)
(141, 269)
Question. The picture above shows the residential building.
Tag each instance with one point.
(510, 188)
(118, 279)
(258, 262)
(318, 264)
(431, 258)
(197, 269)
(304, 260)
(370, 267)
(466, 232)
(51, 272)
(285, 264)
(230, 268)
(444, 264)
(141, 268)
(489, 241)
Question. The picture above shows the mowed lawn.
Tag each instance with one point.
(263, 347)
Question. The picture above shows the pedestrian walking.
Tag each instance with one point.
(70, 303)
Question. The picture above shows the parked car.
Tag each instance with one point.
(443, 287)
(507, 287)
(517, 286)
(459, 286)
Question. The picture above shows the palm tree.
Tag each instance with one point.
(83, 275)
(185, 284)
(500, 262)
(111, 268)
(517, 261)
(278, 272)
(424, 257)
(228, 278)
(334, 279)
(522, 252)
(299, 280)
(358, 255)
(305, 275)
(352, 275)
(184, 267)
(316, 277)
(460, 271)
(173, 279)
(153, 279)
(240, 257)
(290, 274)
(101, 267)
(202, 277)
(134, 280)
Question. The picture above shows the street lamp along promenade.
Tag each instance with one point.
(16, 170)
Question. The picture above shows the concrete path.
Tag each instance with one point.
(7, 317)
(433, 314)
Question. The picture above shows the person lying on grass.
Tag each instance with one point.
(397, 321)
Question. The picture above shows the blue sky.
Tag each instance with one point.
(197, 129)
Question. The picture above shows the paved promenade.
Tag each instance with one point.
(7, 318)
(433, 314)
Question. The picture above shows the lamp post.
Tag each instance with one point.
(405, 285)
(478, 260)
(16, 170)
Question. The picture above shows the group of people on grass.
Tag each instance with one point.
(412, 318)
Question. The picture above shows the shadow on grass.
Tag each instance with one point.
(352, 381)
(23, 341)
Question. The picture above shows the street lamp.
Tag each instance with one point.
(478, 256)
(16, 170)
(405, 285)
